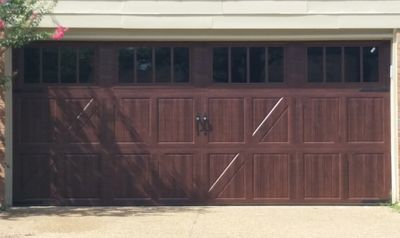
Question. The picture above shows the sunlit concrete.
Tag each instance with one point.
(207, 222)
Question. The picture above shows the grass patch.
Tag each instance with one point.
(396, 207)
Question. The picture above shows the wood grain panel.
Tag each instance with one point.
(270, 119)
(34, 178)
(79, 176)
(175, 176)
(131, 177)
(226, 116)
(226, 176)
(175, 120)
(132, 122)
(322, 178)
(39, 128)
(81, 120)
(321, 120)
(365, 119)
(271, 178)
(366, 176)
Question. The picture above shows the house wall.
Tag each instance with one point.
(395, 100)
(222, 14)
(223, 20)
(2, 137)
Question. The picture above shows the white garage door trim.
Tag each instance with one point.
(101, 36)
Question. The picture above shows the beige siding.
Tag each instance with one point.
(221, 14)
(226, 22)
(228, 7)
(354, 7)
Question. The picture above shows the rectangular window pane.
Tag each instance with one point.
(181, 65)
(50, 65)
(126, 62)
(86, 65)
(257, 64)
(163, 65)
(32, 65)
(68, 65)
(352, 64)
(275, 64)
(220, 65)
(333, 64)
(315, 65)
(371, 64)
(239, 64)
(144, 57)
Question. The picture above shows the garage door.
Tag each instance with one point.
(210, 123)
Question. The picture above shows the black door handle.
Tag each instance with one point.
(202, 124)
(206, 124)
(198, 123)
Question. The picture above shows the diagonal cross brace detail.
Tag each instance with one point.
(224, 172)
(268, 115)
(83, 111)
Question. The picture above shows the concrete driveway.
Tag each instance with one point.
(207, 222)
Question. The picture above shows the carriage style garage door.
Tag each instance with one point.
(202, 123)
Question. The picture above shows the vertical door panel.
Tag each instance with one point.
(175, 176)
(132, 177)
(175, 118)
(271, 178)
(132, 122)
(226, 116)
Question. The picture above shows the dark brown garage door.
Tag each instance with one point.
(215, 123)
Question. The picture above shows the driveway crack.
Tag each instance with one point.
(194, 223)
